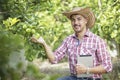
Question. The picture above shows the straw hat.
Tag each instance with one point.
(85, 12)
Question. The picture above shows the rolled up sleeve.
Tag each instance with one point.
(103, 56)
(60, 52)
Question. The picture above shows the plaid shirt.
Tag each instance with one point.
(91, 44)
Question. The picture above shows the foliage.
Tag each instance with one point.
(9, 44)
(29, 23)
(43, 18)
(13, 65)
(108, 20)
(33, 73)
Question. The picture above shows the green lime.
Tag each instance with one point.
(36, 35)
(28, 30)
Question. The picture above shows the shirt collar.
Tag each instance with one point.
(87, 34)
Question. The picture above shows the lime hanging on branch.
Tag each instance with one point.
(36, 35)
(28, 30)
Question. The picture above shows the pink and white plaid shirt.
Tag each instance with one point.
(91, 44)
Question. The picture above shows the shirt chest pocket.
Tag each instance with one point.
(88, 51)
(70, 49)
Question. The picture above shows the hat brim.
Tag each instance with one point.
(86, 12)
